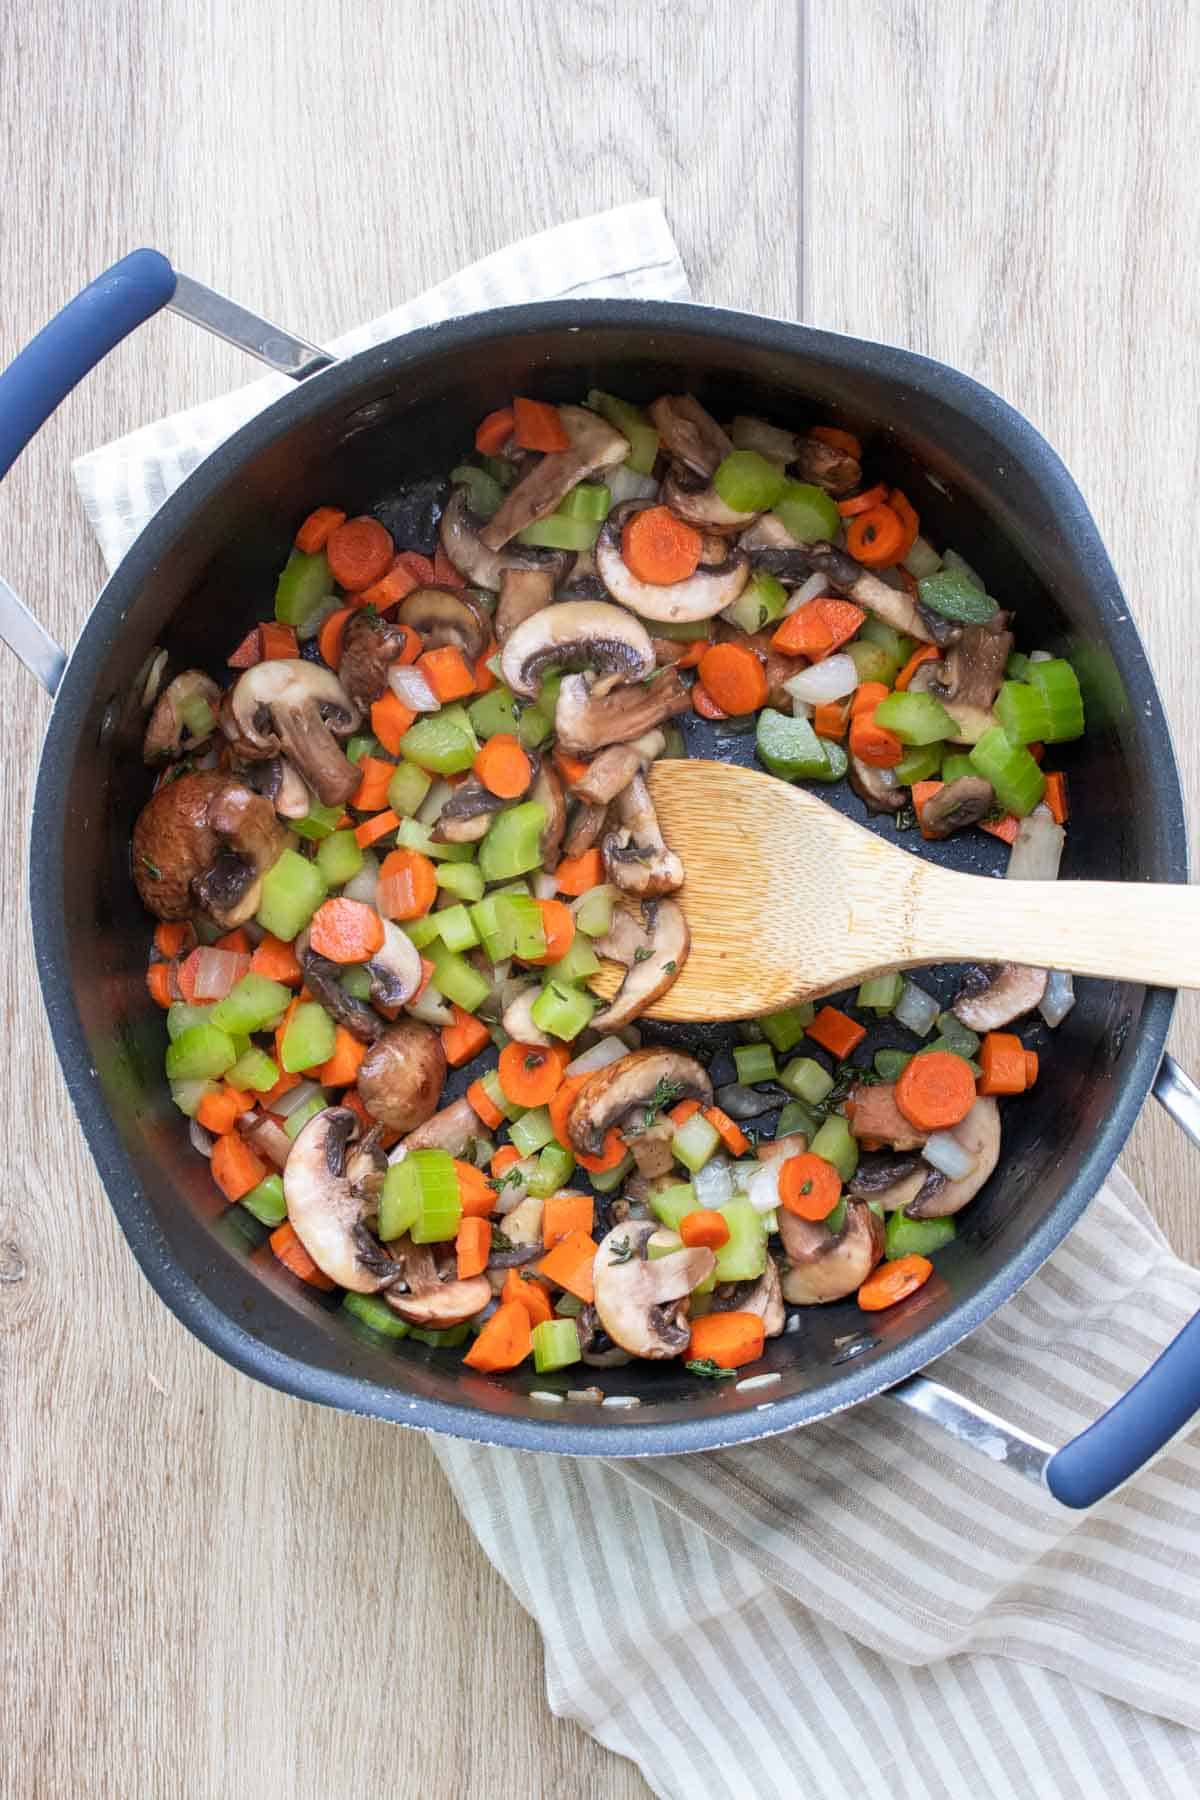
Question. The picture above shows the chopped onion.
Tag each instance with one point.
(792, 1324)
(749, 1382)
(915, 1009)
(922, 560)
(362, 886)
(953, 560)
(713, 1183)
(945, 1152)
(545, 1396)
(312, 623)
(624, 484)
(396, 1154)
(620, 1400)
(201, 1139)
(151, 674)
(480, 1151)
(516, 1189)
(816, 584)
(430, 1008)
(1058, 999)
(763, 1192)
(216, 971)
(608, 1050)
(412, 690)
(1037, 848)
(544, 886)
(832, 679)
(295, 1097)
(430, 808)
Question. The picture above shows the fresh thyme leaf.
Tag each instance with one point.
(642, 954)
(152, 869)
(669, 967)
(511, 1178)
(906, 819)
(534, 1060)
(663, 1095)
(622, 1250)
(499, 1240)
(806, 1188)
(706, 1366)
(185, 767)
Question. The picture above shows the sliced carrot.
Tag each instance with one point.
(329, 638)
(494, 431)
(935, 1091)
(570, 1265)
(831, 719)
(837, 1032)
(729, 1339)
(407, 885)
(561, 1104)
(1002, 1060)
(614, 1151)
(235, 1166)
(693, 656)
(860, 503)
(809, 1186)
(922, 792)
(686, 1109)
(448, 673)
(174, 937)
(504, 1341)
(734, 678)
(277, 642)
(558, 925)
(283, 1086)
(837, 439)
(374, 775)
(704, 704)
(294, 1256)
(571, 768)
(503, 766)
(444, 572)
(660, 549)
(234, 940)
(876, 538)
(476, 1195)
(907, 514)
(866, 698)
(360, 551)
(894, 1281)
(485, 678)
(874, 744)
(576, 874)
(317, 529)
(371, 830)
(277, 961)
(538, 426)
(418, 566)
(465, 1038)
(342, 1068)
(530, 1075)
(248, 652)
(731, 1134)
(503, 1160)
(1055, 796)
(472, 1246)
(818, 627)
(528, 1292)
(390, 719)
(704, 1229)
(158, 980)
(219, 1111)
(922, 654)
(392, 586)
(564, 1213)
(1031, 1067)
(1005, 829)
(346, 931)
(481, 1102)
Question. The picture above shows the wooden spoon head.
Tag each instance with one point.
(785, 899)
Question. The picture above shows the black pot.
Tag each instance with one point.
(364, 432)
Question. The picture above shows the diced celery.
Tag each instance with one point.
(836, 1220)
(789, 747)
(440, 1208)
(529, 931)
(304, 584)
(512, 845)
(578, 964)
(834, 1142)
(200, 1053)
(568, 1306)
(835, 764)
(496, 927)
(455, 978)
(1012, 771)
(252, 1004)
(871, 661)
(785, 1029)
(743, 1255)
(455, 927)
(555, 1166)
(356, 982)
(956, 1035)
(292, 890)
(673, 1204)
(915, 718)
(493, 712)
(255, 1070)
(339, 858)
(607, 1181)
(485, 496)
(318, 822)
(187, 1095)
(1022, 712)
(589, 500)
(562, 1010)
(797, 1115)
(956, 596)
(695, 1142)
(747, 482)
(534, 727)
(298, 1118)
(633, 424)
(450, 1339)
(412, 835)
(532, 1131)
(1017, 667)
(878, 631)
(421, 932)
(1058, 685)
(807, 512)
(181, 1017)
(593, 915)
(920, 763)
(266, 1201)
(755, 1062)
(407, 789)
(555, 1345)
(399, 1198)
(375, 1314)
(363, 743)
(687, 631)
(807, 1080)
(881, 992)
(490, 1082)
(309, 1038)
(956, 765)
(891, 1064)
(438, 743)
(463, 879)
(197, 715)
(915, 1237)
(559, 533)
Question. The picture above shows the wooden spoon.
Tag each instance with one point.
(786, 900)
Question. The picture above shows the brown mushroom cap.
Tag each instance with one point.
(329, 1190)
(323, 979)
(401, 1077)
(445, 616)
(467, 814)
(370, 645)
(591, 633)
(435, 1299)
(689, 434)
(203, 840)
(595, 445)
(523, 592)
(835, 470)
(296, 706)
(824, 1265)
(585, 721)
(694, 500)
(547, 792)
(653, 1078)
(451, 1129)
(878, 789)
(763, 1297)
(653, 944)
(458, 534)
(642, 1302)
(168, 733)
(991, 998)
(956, 805)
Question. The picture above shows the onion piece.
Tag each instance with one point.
(623, 484)
(832, 679)
(916, 1010)
(749, 1382)
(216, 971)
(1037, 848)
(412, 690)
(430, 808)
(945, 1152)
(1058, 998)
(922, 560)
(201, 1139)
(286, 1105)
(816, 584)
(362, 886)
(608, 1050)
(763, 1192)
(713, 1183)
(544, 886)
(430, 1008)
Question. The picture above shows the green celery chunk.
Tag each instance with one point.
(252, 1004)
(755, 1062)
(558, 533)
(807, 512)
(200, 1053)
(255, 1070)
(360, 745)
(512, 845)
(785, 1029)
(421, 932)
(915, 1237)
(807, 1080)
(535, 727)
(915, 718)
(797, 1115)
(955, 596)
(412, 835)
(296, 1120)
(309, 1038)
(399, 1199)
(562, 1010)
(440, 744)
(1017, 667)
(548, 692)
(891, 1064)
(920, 763)
(607, 1181)
(748, 483)
(266, 1201)
(593, 914)
(501, 471)
(439, 1211)
(1013, 773)
(375, 1314)
(187, 1095)
(877, 631)
(695, 1143)
(950, 1047)
(455, 927)
(834, 1142)
(579, 963)
(633, 424)
(872, 662)
(493, 712)
(454, 977)
(686, 631)
(1058, 685)
(450, 1339)
(555, 1166)
(463, 879)
(181, 1017)
(528, 925)
(836, 1220)
(356, 982)
(789, 747)
(1022, 711)
(494, 922)
(954, 1034)
(485, 496)
(407, 789)
(955, 766)
(317, 822)
(490, 1082)
(304, 585)
(339, 858)
(743, 1255)
(197, 715)
(292, 890)
(836, 761)
(759, 604)
(532, 1131)
(881, 993)
(589, 500)
(673, 1204)
(555, 1345)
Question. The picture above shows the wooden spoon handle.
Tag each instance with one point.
(1128, 930)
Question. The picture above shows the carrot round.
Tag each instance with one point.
(908, 516)
(837, 439)
(612, 1153)
(704, 704)
(318, 528)
(494, 432)
(329, 638)
(473, 1246)
(294, 1256)
(504, 767)
(576, 874)
(936, 1091)
(704, 1229)
(734, 678)
(407, 885)
(481, 1102)
(728, 1130)
(660, 549)
(530, 1074)
(876, 538)
(558, 925)
(359, 552)
(346, 931)
(922, 654)
(173, 937)
(729, 1339)
(503, 1342)
(893, 1281)
(809, 1186)
(861, 503)
(538, 426)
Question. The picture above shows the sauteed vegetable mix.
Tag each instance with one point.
(400, 837)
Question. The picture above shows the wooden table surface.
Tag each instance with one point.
(208, 1589)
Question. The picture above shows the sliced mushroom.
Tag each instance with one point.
(446, 616)
(709, 591)
(595, 445)
(289, 793)
(639, 1301)
(436, 1299)
(615, 767)
(547, 792)
(793, 1143)
(991, 998)
(370, 645)
(465, 817)
(595, 1345)
(588, 632)
(645, 1080)
(957, 804)
(653, 944)
(586, 720)
(518, 1017)
(652, 1149)
(636, 855)
(585, 827)
(451, 1129)
(395, 971)
(523, 1225)
(878, 789)
(401, 1076)
(266, 1137)
(330, 1191)
(168, 735)
(689, 434)
(979, 1134)
(876, 1115)
(892, 1181)
(763, 1297)
(204, 840)
(968, 678)
(458, 534)
(695, 500)
(523, 592)
(823, 1265)
(295, 706)
(836, 471)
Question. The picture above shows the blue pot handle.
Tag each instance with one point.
(74, 341)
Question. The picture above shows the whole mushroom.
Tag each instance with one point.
(297, 706)
(400, 1078)
(204, 840)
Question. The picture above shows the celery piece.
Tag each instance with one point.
(871, 661)
(528, 927)
(662, 1242)
(532, 1131)
(559, 533)
(493, 712)
(568, 1306)
(356, 982)
(455, 928)
(317, 822)
(309, 1038)
(438, 743)
(490, 1082)
(633, 424)
(807, 512)
(834, 1142)
(695, 1142)
(955, 766)
(789, 747)
(784, 1030)
(450, 1339)
(807, 1080)
(407, 789)
(555, 1345)
(360, 745)
(255, 1070)
(743, 1255)
(187, 1095)
(915, 718)
(797, 1115)
(375, 1314)
(1017, 667)
(578, 964)
(950, 1047)
(421, 932)
(755, 1062)
(439, 1209)
(339, 858)
(297, 1119)
(687, 631)
(485, 496)
(891, 1064)
(562, 1010)
(588, 500)
(915, 1237)
(496, 926)
(252, 1004)
(881, 993)
(181, 1017)
(1015, 776)
(877, 631)
(303, 587)
(957, 1036)
(502, 472)
(555, 1167)
(197, 715)
(1022, 712)
(534, 727)
(512, 845)
(835, 764)
(412, 835)
(760, 603)
(593, 915)
(748, 483)
(455, 978)
(549, 690)
(266, 1201)
(292, 890)
(1058, 685)
(920, 763)
(673, 1204)
(399, 1198)
(607, 1181)
(836, 1220)
(955, 596)
(200, 1053)
(463, 879)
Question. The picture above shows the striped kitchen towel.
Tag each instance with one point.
(863, 1608)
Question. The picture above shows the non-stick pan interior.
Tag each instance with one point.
(376, 435)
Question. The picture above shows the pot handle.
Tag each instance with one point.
(1134, 1428)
